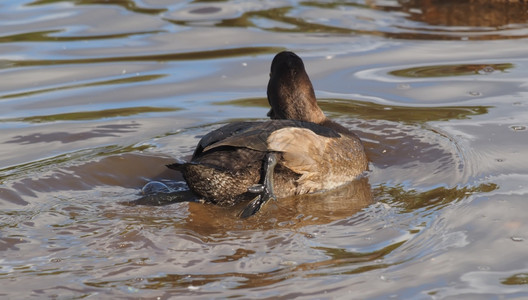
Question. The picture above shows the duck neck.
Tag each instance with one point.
(294, 100)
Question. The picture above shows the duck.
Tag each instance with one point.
(297, 151)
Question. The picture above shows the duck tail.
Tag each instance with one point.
(178, 166)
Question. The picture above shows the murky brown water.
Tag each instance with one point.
(97, 96)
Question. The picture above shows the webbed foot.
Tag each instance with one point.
(264, 190)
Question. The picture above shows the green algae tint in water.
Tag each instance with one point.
(98, 96)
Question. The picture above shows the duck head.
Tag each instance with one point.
(290, 92)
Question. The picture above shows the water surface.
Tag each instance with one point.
(97, 96)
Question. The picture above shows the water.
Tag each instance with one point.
(97, 96)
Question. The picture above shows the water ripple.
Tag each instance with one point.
(97, 96)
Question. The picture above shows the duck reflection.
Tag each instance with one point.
(208, 219)
(290, 212)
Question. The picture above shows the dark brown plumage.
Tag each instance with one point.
(299, 151)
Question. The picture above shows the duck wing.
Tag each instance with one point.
(221, 134)
(324, 162)
(255, 135)
(213, 137)
(300, 142)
